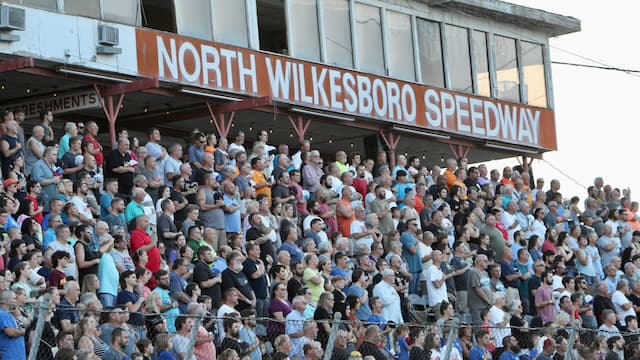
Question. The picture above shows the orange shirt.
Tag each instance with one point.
(451, 178)
(258, 177)
(462, 194)
(344, 223)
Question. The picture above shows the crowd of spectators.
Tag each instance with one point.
(127, 248)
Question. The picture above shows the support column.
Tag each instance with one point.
(459, 151)
(300, 125)
(218, 119)
(110, 111)
(391, 140)
(217, 112)
(526, 163)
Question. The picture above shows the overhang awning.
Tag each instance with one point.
(553, 24)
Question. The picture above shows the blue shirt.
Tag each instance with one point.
(508, 355)
(10, 347)
(232, 221)
(296, 253)
(478, 354)
(170, 314)
(413, 260)
(105, 204)
(364, 312)
(108, 275)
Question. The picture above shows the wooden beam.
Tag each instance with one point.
(125, 88)
(247, 104)
(16, 64)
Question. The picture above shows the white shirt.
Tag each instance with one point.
(82, 206)
(496, 317)
(436, 295)
(424, 250)
(618, 299)
(509, 220)
(391, 310)
(224, 309)
(71, 269)
(357, 227)
(538, 228)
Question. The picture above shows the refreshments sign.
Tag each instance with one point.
(231, 69)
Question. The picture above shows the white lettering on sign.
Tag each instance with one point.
(59, 104)
(293, 81)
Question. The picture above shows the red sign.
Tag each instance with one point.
(231, 69)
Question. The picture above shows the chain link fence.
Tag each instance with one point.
(200, 335)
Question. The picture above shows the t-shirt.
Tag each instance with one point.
(108, 275)
(125, 180)
(478, 280)
(436, 295)
(10, 347)
(258, 285)
(316, 290)
(618, 300)
(125, 297)
(239, 281)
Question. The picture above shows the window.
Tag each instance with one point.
(504, 51)
(193, 18)
(337, 29)
(305, 37)
(533, 71)
(401, 61)
(156, 14)
(272, 27)
(481, 62)
(41, 4)
(430, 47)
(89, 8)
(458, 58)
(230, 22)
(369, 37)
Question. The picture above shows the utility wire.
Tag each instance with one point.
(613, 68)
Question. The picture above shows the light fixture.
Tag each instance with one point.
(510, 148)
(310, 138)
(270, 131)
(420, 133)
(146, 108)
(291, 134)
(208, 94)
(28, 90)
(2, 86)
(330, 140)
(251, 127)
(441, 158)
(322, 114)
(351, 144)
(69, 71)
(424, 156)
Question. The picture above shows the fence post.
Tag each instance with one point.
(194, 331)
(453, 334)
(572, 339)
(42, 306)
(332, 336)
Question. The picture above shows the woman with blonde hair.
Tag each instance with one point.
(90, 284)
(312, 278)
(87, 334)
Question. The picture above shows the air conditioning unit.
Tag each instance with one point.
(107, 35)
(11, 18)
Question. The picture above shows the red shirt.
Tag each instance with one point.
(139, 239)
(361, 186)
(99, 157)
(39, 216)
